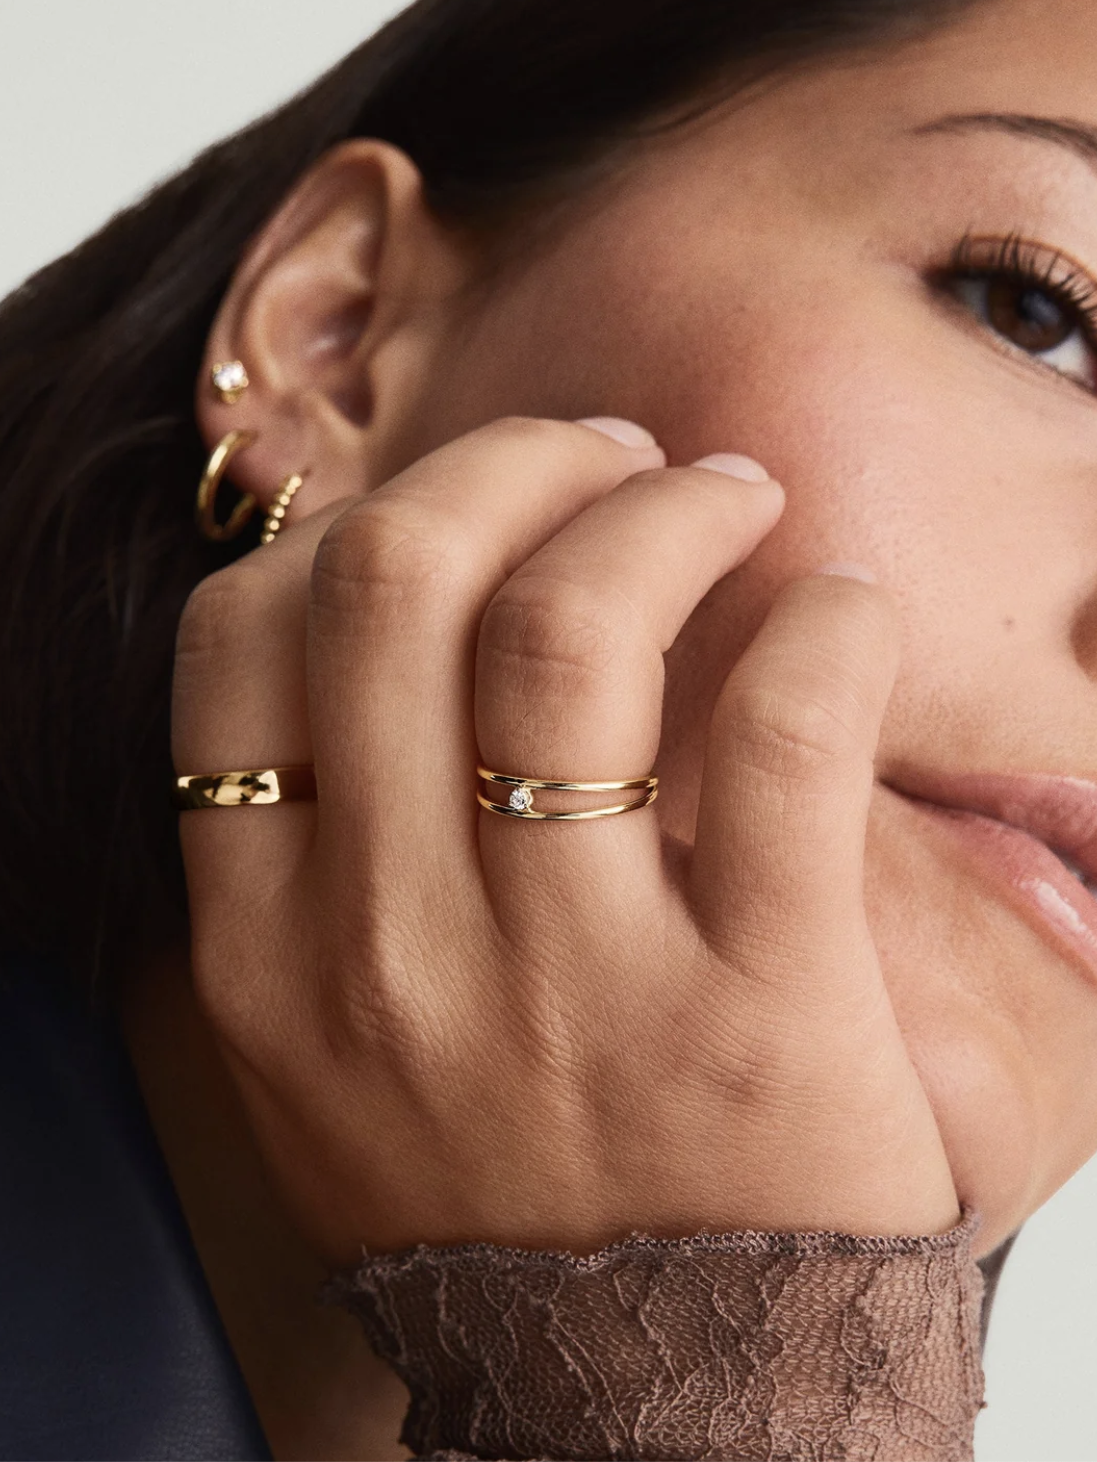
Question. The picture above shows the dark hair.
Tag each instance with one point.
(99, 453)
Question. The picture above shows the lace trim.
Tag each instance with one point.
(751, 1347)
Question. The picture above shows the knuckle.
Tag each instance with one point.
(789, 732)
(860, 621)
(385, 994)
(562, 633)
(553, 445)
(534, 432)
(372, 1009)
(387, 552)
(217, 615)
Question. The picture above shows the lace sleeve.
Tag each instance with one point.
(751, 1347)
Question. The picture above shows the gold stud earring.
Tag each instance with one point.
(280, 507)
(219, 460)
(230, 380)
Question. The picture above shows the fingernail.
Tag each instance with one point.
(625, 432)
(849, 571)
(733, 464)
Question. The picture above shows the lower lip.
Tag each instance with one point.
(1050, 898)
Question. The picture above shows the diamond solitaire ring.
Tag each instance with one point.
(520, 801)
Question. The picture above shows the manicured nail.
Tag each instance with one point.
(849, 571)
(625, 432)
(733, 464)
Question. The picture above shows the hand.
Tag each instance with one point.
(448, 1025)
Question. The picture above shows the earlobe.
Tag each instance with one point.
(334, 309)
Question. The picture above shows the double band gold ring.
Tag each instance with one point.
(520, 802)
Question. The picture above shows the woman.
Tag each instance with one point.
(508, 332)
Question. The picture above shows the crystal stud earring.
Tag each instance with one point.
(230, 380)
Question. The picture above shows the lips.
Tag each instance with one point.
(1032, 835)
(1060, 811)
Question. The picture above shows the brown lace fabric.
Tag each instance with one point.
(764, 1347)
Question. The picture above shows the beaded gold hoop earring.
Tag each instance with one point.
(280, 507)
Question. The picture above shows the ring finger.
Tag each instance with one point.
(569, 674)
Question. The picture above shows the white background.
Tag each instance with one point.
(97, 101)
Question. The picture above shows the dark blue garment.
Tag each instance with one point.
(110, 1344)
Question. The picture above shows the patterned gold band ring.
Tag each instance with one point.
(244, 789)
(520, 802)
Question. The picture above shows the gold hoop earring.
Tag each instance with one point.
(280, 507)
(219, 460)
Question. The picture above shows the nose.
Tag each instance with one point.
(1083, 634)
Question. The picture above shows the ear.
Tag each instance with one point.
(337, 311)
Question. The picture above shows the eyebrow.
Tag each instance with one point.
(1075, 136)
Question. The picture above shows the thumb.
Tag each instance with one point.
(778, 864)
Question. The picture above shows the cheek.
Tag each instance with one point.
(822, 387)
(903, 448)
(870, 442)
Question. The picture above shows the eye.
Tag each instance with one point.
(1034, 321)
(1045, 307)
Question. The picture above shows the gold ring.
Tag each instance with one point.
(244, 789)
(520, 803)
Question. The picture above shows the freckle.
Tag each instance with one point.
(1009, 622)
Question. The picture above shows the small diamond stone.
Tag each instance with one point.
(231, 376)
(521, 799)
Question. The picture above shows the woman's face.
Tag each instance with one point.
(790, 279)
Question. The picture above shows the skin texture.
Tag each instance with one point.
(787, 1002)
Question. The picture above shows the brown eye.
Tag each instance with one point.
(1031, 318)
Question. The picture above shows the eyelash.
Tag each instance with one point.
(1019, 261)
